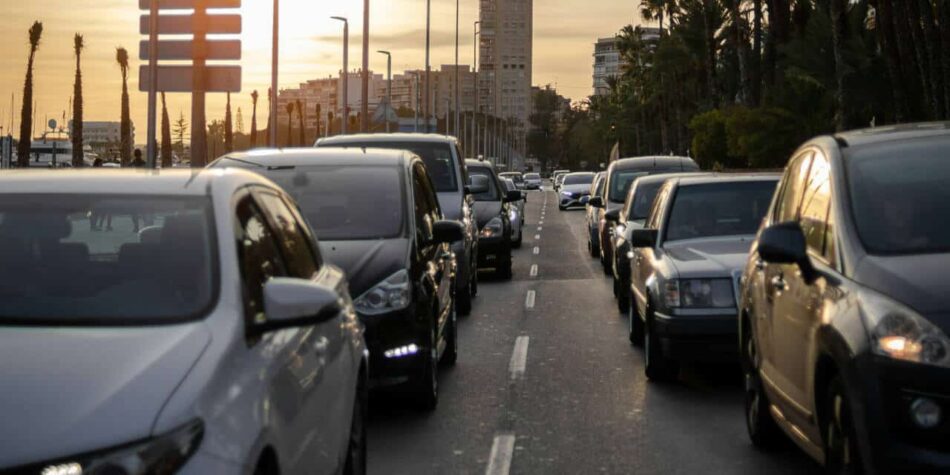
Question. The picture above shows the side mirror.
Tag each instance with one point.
(641, 238)
(784, 243)
(596, 202)
(585, 200)
(613, 215)
(447, 232)
(513, 196)
(478, 184)
(290, 302)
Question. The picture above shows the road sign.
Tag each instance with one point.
(185, 24)
(179, 78)
(189, 4)
(182, 50)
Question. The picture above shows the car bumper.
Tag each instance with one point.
(698, 335)
(492, 251)
(390, 331)
(532, 186)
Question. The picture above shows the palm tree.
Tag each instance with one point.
(77, 105)
(26, 112)
(125, 128)
(290, 124)
(254, 97)
(166, 136)
(228, 128)
(303, 130)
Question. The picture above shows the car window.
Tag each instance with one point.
(492, 194)
(793, 188)
(112, 259)
(437, 156)
(297, 251)
(620, 182)
(718, 209)
(816, 205)
(579, 179)
(423, 204)
(659, 204)
(259, 256)
(641, 200)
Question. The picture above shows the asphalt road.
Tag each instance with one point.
(546, 382)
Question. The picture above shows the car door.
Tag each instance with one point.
(321, 367)
(797, 309)
(435, 274)
(644, 256)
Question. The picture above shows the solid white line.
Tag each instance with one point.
(534, 270)
(529, 300)
(519, 357)
(537, 250)
(499, 462)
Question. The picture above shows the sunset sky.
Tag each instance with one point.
(564, 33)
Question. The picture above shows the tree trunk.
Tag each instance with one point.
(742, 52)
(125, 127)
(839, 23)
(77, 132)
(710, 35)
(26, 117)
(933, 49)
(943, 20)
(166, 136)
(254, 123)
(912, 52)
(755, 66)
(228, 128)
(890, 50)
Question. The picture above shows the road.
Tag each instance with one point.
(547, 382)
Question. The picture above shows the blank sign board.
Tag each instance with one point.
(179, 78)
(182, 50)
(189, 4)
(186, 24)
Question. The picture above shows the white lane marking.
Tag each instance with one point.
(519, 357)
(534, 270)
(537, 236)
(541, 222)
(499, 462)
(539, 229)
(537, 250)
(529, 300)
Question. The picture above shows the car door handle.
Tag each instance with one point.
(778, 283)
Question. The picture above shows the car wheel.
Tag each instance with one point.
(623, 296)
(762, 429)
(356, 449)
(658, 367)
(594, 252)
(504, 269)
(463, 299)
(635, 323)
(473, 278)
(517, 244)
(451, 345)
(426, 388)
(841, 448)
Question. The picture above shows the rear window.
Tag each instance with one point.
(533, 176)
(719, 209)
(105, 259)
(579, 179)
(437, 157)
(621, 180)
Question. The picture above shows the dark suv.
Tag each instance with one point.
(845, 306)
(493, 205)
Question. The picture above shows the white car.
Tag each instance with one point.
(199, 332)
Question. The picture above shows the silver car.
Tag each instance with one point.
(517, 213)
(172, 322)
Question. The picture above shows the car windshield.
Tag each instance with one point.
(719, 209)
(515, 177)
(346, 203)
(105, 259)
(579, 179)
(643, 198)
(532, 176)
(436, 155)
(620, 184)
(492, 193)
(896, 191)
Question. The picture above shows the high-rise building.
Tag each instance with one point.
(505, 60)
(607, 61)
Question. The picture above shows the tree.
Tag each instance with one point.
(77, 105)
(180, 131)
(301, 127)
(290, 123)
(254, 97)
(26, 111)
(228, 128)
(125, 127)
(239, 121)
(319, 115)
(166, 150)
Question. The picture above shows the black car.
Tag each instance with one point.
(493, 204)
(845, 309)
(377, 217)
(516, 177)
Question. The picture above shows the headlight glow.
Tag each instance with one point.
(493, 228)
(393, 293)
(900, 333)
(700, 293)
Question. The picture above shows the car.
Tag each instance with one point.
(687, 261)
(557, 180)
(574, 190)
(593, 233)
(213, 339)
(493, 205)
(446, 167)
(632, 216)
(532, 181)
(516, 177)
(377, 216)
(620, 174)
(517, 214)
(844, 317)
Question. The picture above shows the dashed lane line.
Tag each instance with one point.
(537, 250)
(534, 270)
(502, 449)
(519, 358)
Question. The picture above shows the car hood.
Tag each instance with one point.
(712, 257)
(485, 211)
(451, 204)
(70, 390)
(576, 189)
(916, 281)
(366, 263)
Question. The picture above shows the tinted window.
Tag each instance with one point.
(620, 183)
(259, 258)
(105, 258)
(579, 179)
(642, 200)
(437, 157)
(793, 187)
(899, 194)
(533, 176)
(293, 240)
(816, 204)
(718, 209)
(492, 193)
(346, 202)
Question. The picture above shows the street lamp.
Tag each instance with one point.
(364, 107)
(389, 85)
(458, 84)
(346, 65)
(428, 37)
(475, 69)
(273, 77)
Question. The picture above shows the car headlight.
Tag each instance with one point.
(699, 293)
(160, 455)
(393, 293)
(900, 333)
(493, 228)
(567, 194)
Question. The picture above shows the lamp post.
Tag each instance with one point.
(428, 38)
(389, 85)
(272, 140)
(458, 84)
(475, 68)
(345, 76)
(364, 107)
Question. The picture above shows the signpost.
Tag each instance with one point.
(196, 78)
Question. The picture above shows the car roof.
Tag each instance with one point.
(125, 181)
(878, 135)
(662, 177)
(580, 173)
(656, 161)
(471, 162)
(324, 156)
(707, 178)
(386, 138)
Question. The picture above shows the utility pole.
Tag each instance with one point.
(364, 107)
(150, 151)
(416, 103)
(428, 38)
(477, 98)
(345, 118)
(273, 78)
(389, 85)
(458, 84)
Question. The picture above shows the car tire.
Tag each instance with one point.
(426, 388)
(658, 367)
(450, 357)
(763, 431)
(635, 324)
(517, 244)
(356, 444)
(840, 439)
(463, 299)
(504, 269)
(594, 251)
(623, 296)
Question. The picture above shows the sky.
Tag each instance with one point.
(310, 47)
